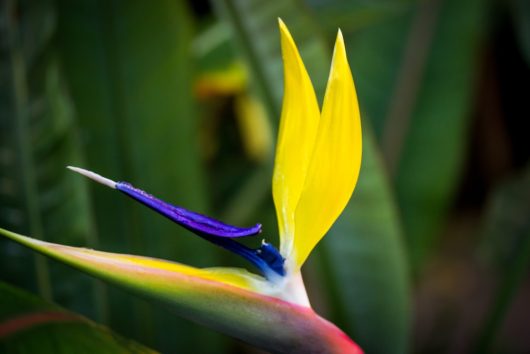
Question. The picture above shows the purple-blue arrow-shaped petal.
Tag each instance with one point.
(192, 221)
(266, 258)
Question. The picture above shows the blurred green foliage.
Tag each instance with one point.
(430, 256)
(34, 326)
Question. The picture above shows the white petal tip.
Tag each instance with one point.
(93, 176)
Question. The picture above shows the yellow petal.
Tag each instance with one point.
(336, 160)
(296, 138)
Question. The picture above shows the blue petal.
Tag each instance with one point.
(266, 258)
(195, 222)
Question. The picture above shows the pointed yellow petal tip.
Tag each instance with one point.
(340, 38)
(287, 41)
(340, 60)
(284, 31)
(283, 27)
(339, 44)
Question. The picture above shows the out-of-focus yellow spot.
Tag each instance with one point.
(255, 128)
(250, 114)
(229, 81)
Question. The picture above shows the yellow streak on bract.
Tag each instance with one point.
(135, 269)
(146, 265)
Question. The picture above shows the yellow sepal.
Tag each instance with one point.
(296, 137)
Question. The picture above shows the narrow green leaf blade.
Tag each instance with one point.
(431, 161)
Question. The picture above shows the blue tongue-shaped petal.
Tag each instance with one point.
(195, 222)
(266, 258)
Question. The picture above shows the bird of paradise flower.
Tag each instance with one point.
(317, 163)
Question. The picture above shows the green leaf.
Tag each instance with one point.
(38, 137)
(261, 320)
(30, 325)
(364, 294)
(135, 107)
(431, 161)
(367, 262)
